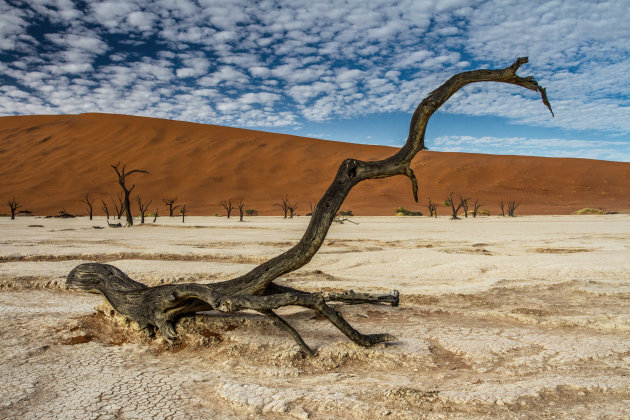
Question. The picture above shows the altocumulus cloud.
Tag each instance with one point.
(292, 63)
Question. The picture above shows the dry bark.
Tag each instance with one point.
(160, 306)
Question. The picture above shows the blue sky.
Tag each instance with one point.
(338, 70)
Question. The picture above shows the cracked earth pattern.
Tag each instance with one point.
(517, 348)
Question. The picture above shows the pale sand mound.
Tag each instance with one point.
(499, 318)
(50, 162)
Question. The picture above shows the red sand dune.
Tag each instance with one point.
(50, 162)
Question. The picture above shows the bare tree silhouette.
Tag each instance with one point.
(169, 202)
(143, 207)
(454, 209)
(476, 207)
(240, 203)
(122, 178)
(511, 208)
(463, 201)
(292, 208)
(120, 207)
(105, 209)
(432, 208)
(227, 205)
(284, 205)
(13, 205)
(89, 204)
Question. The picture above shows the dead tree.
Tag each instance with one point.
(511, 208)
(156, 214)
(240, 204)
(463, 202)
(120, 207)
(292, 208)
(183, 212)
(169, 202)
(454, 209)
(143, 207)
(105, 209)
(476, 207)
(160, 306)
(432, 208)
(284, 205)
(122, 175)
(13, 205)
(228, 206)
(89, 204)
(502, 206)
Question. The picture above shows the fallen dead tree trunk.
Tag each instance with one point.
(158, 307)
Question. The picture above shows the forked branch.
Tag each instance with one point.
(160, 306)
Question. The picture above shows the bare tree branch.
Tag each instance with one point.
(161, 305)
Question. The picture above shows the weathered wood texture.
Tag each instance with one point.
(159, 306)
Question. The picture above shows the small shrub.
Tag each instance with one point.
(401, 211)
(251, 212)
(589, 210)
(480, 212)
(346, 213)
(447, 203)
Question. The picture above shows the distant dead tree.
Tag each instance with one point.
(13, 205)
(156, 214)
(169, 202)
(454, 209)
(502, 206)
(476, 207)
(105, 209)
(183, 212)
(240, 204)
(122, 175)
(143, 208)
(120, 207)
(284, 205)
(159, 307)
(512, 206)
(89, 204)
(227, 205)
(292, 208)
(464, 204)
(432, 208)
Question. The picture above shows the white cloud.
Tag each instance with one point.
(141, 20)
(244, 62)
(550, 147)
(259, 98)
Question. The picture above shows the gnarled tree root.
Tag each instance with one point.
(160, 306)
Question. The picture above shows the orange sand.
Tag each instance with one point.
(50, 162)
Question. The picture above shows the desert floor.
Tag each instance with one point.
(499, 317)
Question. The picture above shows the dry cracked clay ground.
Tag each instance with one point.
(523, 317)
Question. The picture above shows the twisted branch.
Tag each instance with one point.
(160, 306)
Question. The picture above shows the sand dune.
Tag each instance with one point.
(50, 162)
